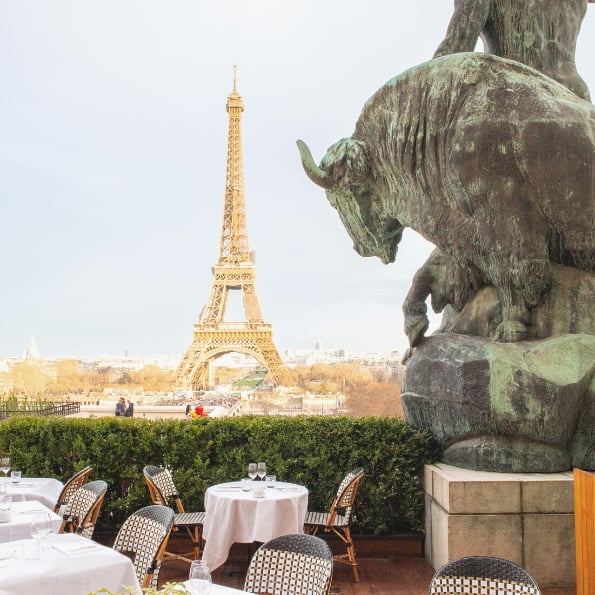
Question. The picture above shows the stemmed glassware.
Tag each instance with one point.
(5, 466)
(41, 527)
(261, 470)
(252, 471)
(199, 579)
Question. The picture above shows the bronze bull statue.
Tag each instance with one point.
(488, 159)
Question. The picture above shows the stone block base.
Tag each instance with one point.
(523, 517)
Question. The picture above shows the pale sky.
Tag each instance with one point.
(113, 136)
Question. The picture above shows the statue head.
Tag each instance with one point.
(344, 173)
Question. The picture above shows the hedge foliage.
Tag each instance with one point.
(313, 451)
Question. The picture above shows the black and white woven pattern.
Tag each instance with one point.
(141, 537)
(189, 519)
(291, 565)
(346, 494)
(79, 479)
(482, 575)
(162, 490)
(82, 511)
(342, 506)
(163, 481)
(338, 519)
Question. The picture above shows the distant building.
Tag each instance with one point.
(32, 352)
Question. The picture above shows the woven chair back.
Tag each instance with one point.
(483, 574)
(82, 511)
(161, 486)
(291, 565)
(345, 498)
(143, 536)
(79, 479)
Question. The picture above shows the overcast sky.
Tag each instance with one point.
(113, 136)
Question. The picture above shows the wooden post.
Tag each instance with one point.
(584, 523)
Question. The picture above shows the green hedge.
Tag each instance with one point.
(313, 451)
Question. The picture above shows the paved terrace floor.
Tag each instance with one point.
(402, 574)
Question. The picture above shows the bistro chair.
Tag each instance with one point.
(291, 565)
(161, 490)
(81, 512)
(79, 479)
(143, 538)
(482, 574)
(338, 519)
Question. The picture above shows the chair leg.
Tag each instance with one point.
(195, 535)
(349, 558)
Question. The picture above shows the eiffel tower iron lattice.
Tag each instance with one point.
(235, 270)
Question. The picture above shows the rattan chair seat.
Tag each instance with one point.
(323, 519)
(184, 519)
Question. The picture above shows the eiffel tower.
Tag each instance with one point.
(235, 270)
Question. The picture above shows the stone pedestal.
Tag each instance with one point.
(523, 517)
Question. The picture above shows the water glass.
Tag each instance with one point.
(246, 484)
(5, 504)
(199, 578)
(15, 476)
(41, 526)
(270, 481)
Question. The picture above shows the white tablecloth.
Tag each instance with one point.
(43, 489)
(58, 573)
(21, 517)
(234, 516)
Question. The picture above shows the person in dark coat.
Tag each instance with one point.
(129, 410)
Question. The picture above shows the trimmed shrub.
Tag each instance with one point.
(312, 451)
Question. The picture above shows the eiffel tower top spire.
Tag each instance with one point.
(234, 247)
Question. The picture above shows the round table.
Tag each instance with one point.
(236, 516)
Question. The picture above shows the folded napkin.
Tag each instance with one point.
(74, 547)
(232, 488)
(26, 484)
(28, 510)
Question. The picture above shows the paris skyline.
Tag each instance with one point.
(112, 161)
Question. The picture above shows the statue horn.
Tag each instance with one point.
(315, 173)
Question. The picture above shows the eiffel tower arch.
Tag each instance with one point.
(235, 271)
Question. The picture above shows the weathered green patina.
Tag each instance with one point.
(494, 163)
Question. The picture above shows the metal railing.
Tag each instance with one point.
(47, 409)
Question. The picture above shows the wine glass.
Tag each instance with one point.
(41, 527)
(252, 470)
(5, 466)
(199, 579)
(261, 470)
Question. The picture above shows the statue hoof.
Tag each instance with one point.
(511, 331)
